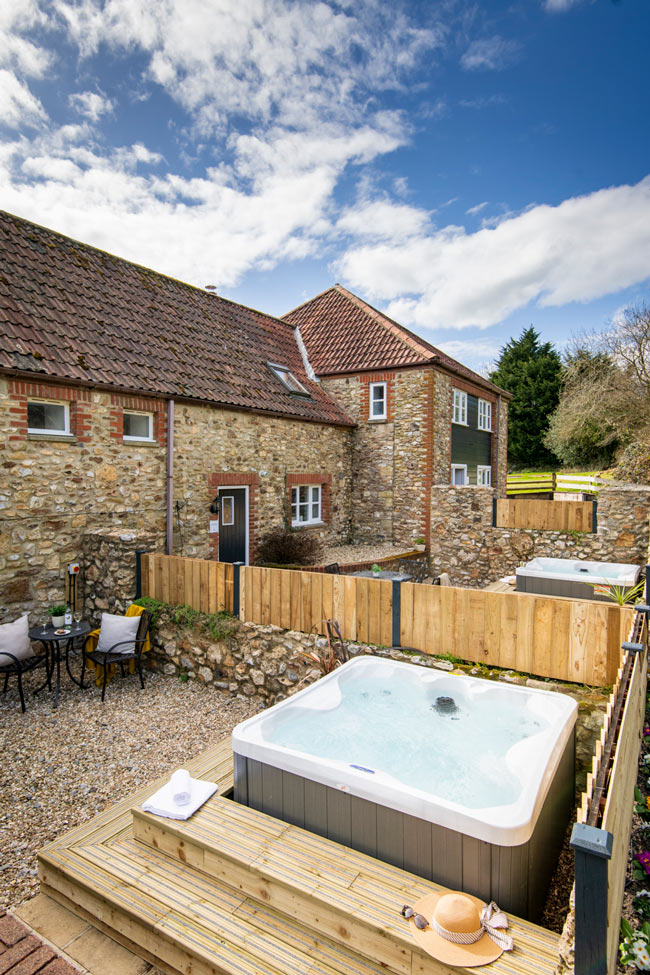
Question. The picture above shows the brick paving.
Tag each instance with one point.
(22, 953)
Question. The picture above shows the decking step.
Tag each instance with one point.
(351, 898)
(187, 922)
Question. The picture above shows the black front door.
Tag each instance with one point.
(232, 525)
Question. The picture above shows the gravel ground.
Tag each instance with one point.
(61, 767)
(361, 553)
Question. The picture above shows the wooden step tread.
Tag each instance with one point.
(155, 902)
(354, 898)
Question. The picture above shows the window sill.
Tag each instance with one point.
(484, 429)
(308, 524)
(53, 437)
(140, 443)
(377, 419)
(459, 423)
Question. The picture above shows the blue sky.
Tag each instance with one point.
(470, 168)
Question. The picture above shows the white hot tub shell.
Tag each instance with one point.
(454, 791)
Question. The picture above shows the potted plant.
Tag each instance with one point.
(420, 544)
(376, 570)
(58, 614)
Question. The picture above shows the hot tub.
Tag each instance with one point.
(460, 780)
(571, 577)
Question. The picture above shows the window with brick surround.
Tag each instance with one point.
(459, 410)
(306, 506)
(137, 426)
(484, 415)
(378, 402)
(49, 418)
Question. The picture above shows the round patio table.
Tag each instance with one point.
(56, 644)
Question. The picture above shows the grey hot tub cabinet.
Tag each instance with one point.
(516, 877)
(556, 587)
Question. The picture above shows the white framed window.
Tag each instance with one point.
(459, 474)
(306, 504)
(288, 380)
(378, 402)
(484, 476)
(459, 410)
(485, 415)
(50, 418)
(137, 426)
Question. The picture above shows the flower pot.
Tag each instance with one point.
(419, 548)
(58, 621)
(376, 574)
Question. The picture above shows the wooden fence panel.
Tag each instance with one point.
(617, 817)
(563, 639)
(545, 515)
(566, 639)
(205, 586)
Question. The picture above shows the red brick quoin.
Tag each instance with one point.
(364, 386)
(142, 404)
(233, 479)
(325, 481)
(78, 400)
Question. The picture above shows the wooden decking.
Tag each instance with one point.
(235, 892)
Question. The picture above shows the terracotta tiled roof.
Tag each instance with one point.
(70, 311)
(343, 334)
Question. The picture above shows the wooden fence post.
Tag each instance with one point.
(397, 613)
(592, 849)
(594, 517)
(494, 512)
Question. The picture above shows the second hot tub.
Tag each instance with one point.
(458, 779)
(574, 578)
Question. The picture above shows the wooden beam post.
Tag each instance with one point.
(592, 849)
(594, 517)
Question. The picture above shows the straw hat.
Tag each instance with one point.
(454, 919)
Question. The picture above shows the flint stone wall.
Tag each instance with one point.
(465, 544)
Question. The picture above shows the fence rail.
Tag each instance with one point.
(545, 515)
(549, 482)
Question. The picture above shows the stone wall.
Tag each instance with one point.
(474, 553)
(108, 578)
(53, 490)
(391, 458)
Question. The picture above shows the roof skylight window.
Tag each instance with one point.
(288, 379)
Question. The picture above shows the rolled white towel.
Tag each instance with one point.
(181, 784)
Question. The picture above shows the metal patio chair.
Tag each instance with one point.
(108, 659)
(411, 567)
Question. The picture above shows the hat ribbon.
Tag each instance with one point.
(492, 920)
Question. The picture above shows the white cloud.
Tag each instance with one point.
(16, 51)
(18, 107)
(489, 54)
(383, 220)
(477, 209)
(91, 104)
(279, 97)
(559, 6)
(585, 248)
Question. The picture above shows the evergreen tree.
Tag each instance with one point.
(532, 372)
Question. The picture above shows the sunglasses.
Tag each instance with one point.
(419, 920)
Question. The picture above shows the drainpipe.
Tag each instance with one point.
(170, 477)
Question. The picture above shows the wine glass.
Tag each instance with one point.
(77, 616)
